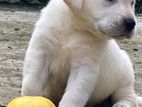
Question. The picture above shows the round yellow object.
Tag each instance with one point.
(31, 101)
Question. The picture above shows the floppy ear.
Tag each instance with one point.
(75, 5)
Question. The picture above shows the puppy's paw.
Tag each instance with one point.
(121, 104)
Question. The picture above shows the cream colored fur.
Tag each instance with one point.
(72, 58)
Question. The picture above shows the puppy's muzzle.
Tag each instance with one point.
(127, 27)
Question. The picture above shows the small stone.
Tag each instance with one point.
(17, 29)
(12, 11)
(9, 47)
(135, 49)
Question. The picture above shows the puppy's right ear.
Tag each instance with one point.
(75, 5)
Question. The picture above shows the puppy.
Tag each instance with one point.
(73, 59)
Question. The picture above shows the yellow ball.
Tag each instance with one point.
(31, 101)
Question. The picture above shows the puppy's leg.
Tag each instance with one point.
(125, 97)
(35, 74)
(80, 85)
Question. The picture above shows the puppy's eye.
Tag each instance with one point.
(132, 3)
(110, 0)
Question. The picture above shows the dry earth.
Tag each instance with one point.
(16, 26)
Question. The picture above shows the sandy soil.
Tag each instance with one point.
(16, 26)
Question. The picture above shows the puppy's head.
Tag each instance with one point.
(109, 18)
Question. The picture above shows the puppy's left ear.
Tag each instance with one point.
(75, 5)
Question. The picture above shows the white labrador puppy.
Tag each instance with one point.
(72, 57)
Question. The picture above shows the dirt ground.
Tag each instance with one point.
(16, 26)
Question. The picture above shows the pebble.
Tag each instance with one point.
(17, 29)
(9, 47)
(135, 49)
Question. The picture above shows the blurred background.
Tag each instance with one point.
(44, 2)
(139, 6)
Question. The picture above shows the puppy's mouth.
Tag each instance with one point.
(122, 35)
(118, 30)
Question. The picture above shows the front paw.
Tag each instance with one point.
(121, 104)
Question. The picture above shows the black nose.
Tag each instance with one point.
(129, 24)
